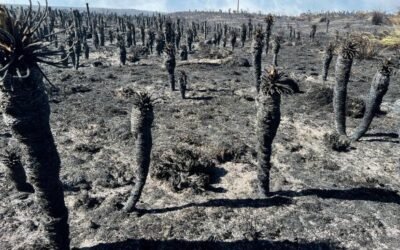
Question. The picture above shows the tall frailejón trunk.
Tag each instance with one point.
(268, 118)
(183, 84)
(342, 74)
(267, 123)
(379, 87)
(142, 117)
(328, 55)
(26, 111)
(258, 44)
(270, 21)
(171, 78)
(268, 38)
(276, 48)
(170, 63)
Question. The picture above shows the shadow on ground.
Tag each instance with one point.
(210, 245)
(200, 98)
(237, 203)
(382, 137)
(282, 198)
(389, 135)
(363, 193)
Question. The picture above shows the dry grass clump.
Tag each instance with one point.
(392, 39)
(182, 167)
(378, 18)
(219, 150)
(211, 52)
(337, 142)
(124, 92)
(368, 46)
(224, 152)
(138, 52)
(395, 20)
(355, 107)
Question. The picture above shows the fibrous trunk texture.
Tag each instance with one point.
(379, 87)
(257, 56)
(11, 159)
(182, 87)
(122, 55)
(270, 22)
(170, 64)
(77, 54)
(26, 111)
(276, 49)
(267, 42)
(171, 78)
(86, 47)
(328, 55)
(275, 59)
(343, 69)
(141, 122)
(267, 123)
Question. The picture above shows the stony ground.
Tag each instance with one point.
(323, 199)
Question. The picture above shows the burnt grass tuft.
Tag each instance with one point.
(184, 167)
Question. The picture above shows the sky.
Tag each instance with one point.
(289, 7)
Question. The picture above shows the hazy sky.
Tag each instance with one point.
(280, 6)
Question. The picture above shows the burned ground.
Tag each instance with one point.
(323, 199)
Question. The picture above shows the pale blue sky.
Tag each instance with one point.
(278, 6)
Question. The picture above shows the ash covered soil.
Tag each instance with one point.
(323, 199)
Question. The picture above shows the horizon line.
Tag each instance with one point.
(243, 11)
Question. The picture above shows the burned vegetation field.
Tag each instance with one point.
(199, 130)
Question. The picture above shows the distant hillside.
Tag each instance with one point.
(118, 11)
(103, 10)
